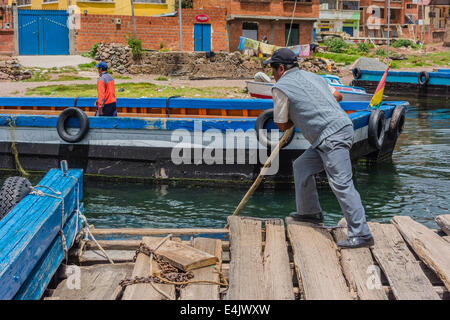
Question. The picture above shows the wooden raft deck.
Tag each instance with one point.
(274, 259)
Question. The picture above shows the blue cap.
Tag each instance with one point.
(102, 65)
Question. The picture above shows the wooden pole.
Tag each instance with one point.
(264, 169)
(181, 25)
(134, 19)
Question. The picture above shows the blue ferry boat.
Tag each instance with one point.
(173, 138)
(432, 84)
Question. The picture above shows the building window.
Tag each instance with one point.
(250, 30)
(350, 5)
(292, 38)
(23, 2)
(148, 1)
(327, 4)
(409, 6)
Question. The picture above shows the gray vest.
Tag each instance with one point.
(312, 107)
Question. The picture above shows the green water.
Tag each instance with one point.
(415, 183)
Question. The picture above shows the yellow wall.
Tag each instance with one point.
(115, 7)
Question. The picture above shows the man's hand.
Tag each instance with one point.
(338, 96)
(284, 126)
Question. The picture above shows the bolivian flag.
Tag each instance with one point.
(378, 95)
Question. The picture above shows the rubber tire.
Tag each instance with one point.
(422, 81)
(261, 123)
(377, 123)
(397, 122)
(356, 73)
(61, 125)
(13, 190)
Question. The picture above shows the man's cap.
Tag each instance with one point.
(102, 65)
(283, 56)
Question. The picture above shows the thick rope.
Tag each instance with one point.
(12, 126)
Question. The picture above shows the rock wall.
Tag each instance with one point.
(12, 70)
(190, 65)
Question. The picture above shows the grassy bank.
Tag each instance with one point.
(137, 90)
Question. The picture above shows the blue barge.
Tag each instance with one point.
(421, 84)
(173, 143)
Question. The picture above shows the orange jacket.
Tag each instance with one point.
(105, 90)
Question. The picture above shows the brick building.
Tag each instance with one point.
(275, 19)
(339, 16)
(6, 29)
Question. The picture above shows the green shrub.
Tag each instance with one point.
(403, 43)
(371, 45)
(161, 45)
(363, 47)
(136, 47)
(93, 50)
(380, 52)
(336, 45)
(161, 78)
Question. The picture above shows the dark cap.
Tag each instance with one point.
(283, 56)
(102, 65)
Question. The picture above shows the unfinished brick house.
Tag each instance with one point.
(275, 19)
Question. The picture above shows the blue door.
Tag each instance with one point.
(43, 32)
(348, 30)
(202, 37)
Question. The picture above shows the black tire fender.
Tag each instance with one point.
(62, 120)
(424, 77)
(397, 122)
(356, 73)
(261, 135)
(376, 127)
(14, 189)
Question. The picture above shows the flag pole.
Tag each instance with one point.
(388, 29)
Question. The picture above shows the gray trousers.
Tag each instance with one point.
(333, 156)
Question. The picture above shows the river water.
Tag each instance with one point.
(416, 182)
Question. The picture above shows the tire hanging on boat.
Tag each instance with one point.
(261, 135)
(13, 190)
(424, 77)
(356, 73)
(377, 123)
(62, 121)
(397, 122)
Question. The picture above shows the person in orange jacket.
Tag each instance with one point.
(106, 101)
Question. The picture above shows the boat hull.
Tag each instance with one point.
(166, 149)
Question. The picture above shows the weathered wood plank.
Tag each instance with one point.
(316, 262)
(145, 291)
(99, 282)
(277, 273)
(406, 278)
(443, 222)
(182, 256)
(205, 291)
(432, 249)
(97, 256)
(156, 232)
(132, 244)
(246, 266)
(357, 265)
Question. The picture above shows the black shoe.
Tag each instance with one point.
(312, 218)
(356, 242)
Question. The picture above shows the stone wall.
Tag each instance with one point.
(189, 65)
(12, 70)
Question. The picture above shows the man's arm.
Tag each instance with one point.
(281, 110)
(101, 88)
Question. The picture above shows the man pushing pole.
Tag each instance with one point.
(304, 99)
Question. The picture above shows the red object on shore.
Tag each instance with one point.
(202, 18)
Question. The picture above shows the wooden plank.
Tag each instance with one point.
(406, 278)
(99, 282)
(205, 291)
(34, 287)
(277, 273)
(132, 244)
(246, 266)
(97, 256)
(145, 291)
(23, 246)
(443, 221)
(156, 232)
(316, 262)
(432, 249)
(182, 256)
(357, 265)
